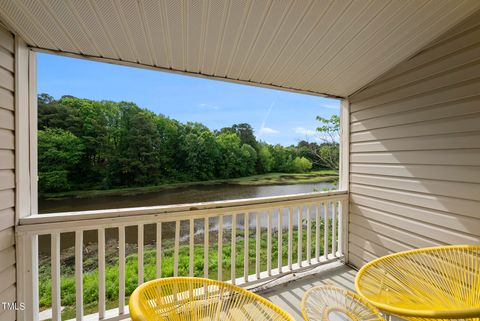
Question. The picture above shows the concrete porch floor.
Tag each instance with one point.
(287, 291)
(288, 295)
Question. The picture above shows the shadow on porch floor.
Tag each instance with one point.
(288, 295)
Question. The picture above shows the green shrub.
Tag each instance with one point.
(301, 165)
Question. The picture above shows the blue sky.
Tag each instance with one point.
(278, 117)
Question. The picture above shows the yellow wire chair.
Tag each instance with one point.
(192, 299)
(321, 303)
(436, 283)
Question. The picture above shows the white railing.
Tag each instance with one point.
(240, 241)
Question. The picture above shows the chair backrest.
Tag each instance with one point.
(441, 282)
(321, 302)
(186, 298)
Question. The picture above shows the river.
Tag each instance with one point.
(191, 194)
(182, 195)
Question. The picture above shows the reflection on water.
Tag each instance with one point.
(192, 194)
(181, 196)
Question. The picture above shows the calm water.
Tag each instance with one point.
(192, 194)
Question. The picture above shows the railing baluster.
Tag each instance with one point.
(340, 229)
(140, 254)
(79, 274)
(55, 260)
(280, 241)
(177, 248)
(205, 246)
(318, 221)
(326, 222)
(101, 273)
(257, 246)
(220, 249)
(309, 234)
(159, 250)
(334, 228)
(191, 246)
(269, 242)
(246, 228)
(121, 270)
(300, 237)
(343, 235)
(233, 273)
(290, 237)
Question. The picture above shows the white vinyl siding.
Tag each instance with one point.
(7, 173)
(415, 151)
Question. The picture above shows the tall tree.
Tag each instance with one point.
(59, 153)
(249, 155)
(91, 127)
(328, 152)
(137, 161)
(201, 152)
(233, 158)
(264, 159)
(172, 134)
(245, 133)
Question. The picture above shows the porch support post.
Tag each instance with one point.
(22, 131)
(26, 181)
(344, 171)
(27, 277)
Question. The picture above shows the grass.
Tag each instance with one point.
(90, 275)
(264, 179)
(287, 178)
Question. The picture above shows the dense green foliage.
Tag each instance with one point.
(59, 151)
(85, 144)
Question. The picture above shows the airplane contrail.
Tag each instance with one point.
(266, 116)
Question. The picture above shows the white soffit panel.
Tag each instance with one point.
(324, 47)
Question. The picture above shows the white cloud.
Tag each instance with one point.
(268, 131)
(330, 106)
(209, 106)
(304, 131)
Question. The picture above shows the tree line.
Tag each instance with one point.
(87, 144)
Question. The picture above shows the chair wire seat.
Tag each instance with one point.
(199, 299)
(319, 302)
(425, 284)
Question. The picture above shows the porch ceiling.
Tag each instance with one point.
(321, 47)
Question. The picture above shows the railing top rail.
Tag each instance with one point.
(124, 216)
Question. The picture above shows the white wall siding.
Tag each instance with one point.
(7, 173)
(415, 151)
